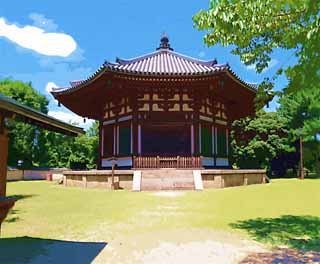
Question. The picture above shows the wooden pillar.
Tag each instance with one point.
(118, 141)
(135, 138)
(196, 138)
(227, 142)
(131, 137)
(200, 139)
(135, 123)
(114, 139)
(213, 145)
(192, 139)
(196, 118)
(101, 144)
(3, 157)
(215, 139)
(139, 140)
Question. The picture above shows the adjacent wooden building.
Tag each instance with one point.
(162, 109)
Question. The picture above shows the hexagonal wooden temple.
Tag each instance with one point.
(162, 109)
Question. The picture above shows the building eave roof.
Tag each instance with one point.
(13, 107)
(161, 63)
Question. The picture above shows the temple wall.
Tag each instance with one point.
(14, 175)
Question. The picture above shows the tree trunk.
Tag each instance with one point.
(318, 166)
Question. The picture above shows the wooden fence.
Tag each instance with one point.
(167, 162)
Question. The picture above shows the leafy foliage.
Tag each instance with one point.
(62, 150)
(256, 28)
(258, 140)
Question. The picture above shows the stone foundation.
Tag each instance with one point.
(123, 179)
(101, 179)
(230, 178)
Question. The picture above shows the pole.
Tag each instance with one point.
(112, 176)
(301, 160)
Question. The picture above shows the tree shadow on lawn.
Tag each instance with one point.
(18, 197)
(37, 250)
(297, 232)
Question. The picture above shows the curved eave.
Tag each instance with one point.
(13, 107)
(237, 79)
(109, 67)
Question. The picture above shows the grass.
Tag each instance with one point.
(283, 212)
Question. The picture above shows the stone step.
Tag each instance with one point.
(168, 179)
(164, 179)
(171, 187)
(163, 174)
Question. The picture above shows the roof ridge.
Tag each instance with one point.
(209, 63)
(141, 57)
(195, 60)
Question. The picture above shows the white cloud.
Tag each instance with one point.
(49, 87)
(71, 118)
(36, 39)
(272, 63)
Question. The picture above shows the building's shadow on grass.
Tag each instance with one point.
(13, 215)
(37, 250)
(298, 232)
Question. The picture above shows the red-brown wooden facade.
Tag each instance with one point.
(162, 109)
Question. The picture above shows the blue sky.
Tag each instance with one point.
(53, 42)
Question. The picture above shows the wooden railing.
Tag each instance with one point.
(167, 162)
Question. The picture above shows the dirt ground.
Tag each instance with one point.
(180, 246)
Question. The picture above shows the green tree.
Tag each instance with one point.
(257, 140)
(256, 28)
(85, 147)
(301, 111)
(63, 150)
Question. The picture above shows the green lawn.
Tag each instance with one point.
(283, 212)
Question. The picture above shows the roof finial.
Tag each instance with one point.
(164, 42)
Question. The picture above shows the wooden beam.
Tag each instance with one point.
(3, 160)
(2, 123)
(3, 155)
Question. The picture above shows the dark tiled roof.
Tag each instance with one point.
(163, 62)
(75, 83)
